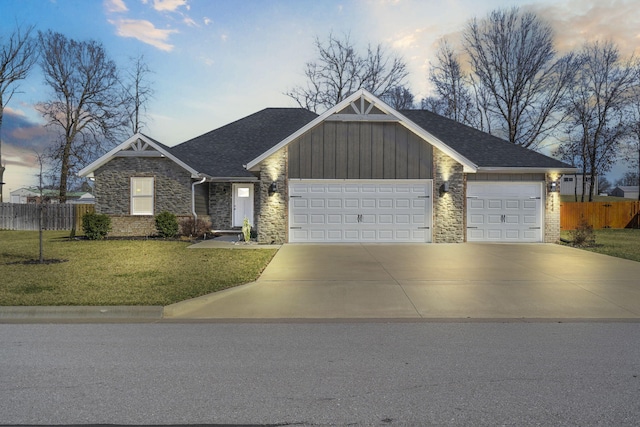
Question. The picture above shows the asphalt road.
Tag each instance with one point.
(322, 373)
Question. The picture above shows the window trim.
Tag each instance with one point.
(145, 196)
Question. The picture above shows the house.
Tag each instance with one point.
(32, 195)
(572, 184)
(626, 191)
(360, 172)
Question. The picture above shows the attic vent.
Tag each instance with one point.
(361, 110)
(139, 145)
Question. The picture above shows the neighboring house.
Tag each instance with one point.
(626, 191)
(572, 184)
(360, 172)
(32, 195)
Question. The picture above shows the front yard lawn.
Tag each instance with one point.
(621, 243)
(117, 272)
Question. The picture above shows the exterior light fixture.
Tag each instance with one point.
(444, 188)
(553, 186)
(273, 188)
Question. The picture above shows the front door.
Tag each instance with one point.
(242, 204)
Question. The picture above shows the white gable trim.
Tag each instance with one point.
(468, 166)
(88, 170)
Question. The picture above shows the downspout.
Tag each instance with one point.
(193, 200)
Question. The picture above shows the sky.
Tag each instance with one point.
(216, 61)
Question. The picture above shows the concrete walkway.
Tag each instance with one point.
(429, 281)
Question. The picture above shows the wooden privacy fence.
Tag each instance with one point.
(18, 216)
(600, 214)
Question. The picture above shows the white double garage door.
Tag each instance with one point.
(360, 211)
(402, 211)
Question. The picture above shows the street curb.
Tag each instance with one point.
(58, 313)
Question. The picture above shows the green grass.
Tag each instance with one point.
(117, 272)
(618, 243)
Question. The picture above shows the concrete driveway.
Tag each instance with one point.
(422, 281)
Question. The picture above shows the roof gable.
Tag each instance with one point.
(364, 106)
(139, 145)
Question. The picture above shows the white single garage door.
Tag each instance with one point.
(504, 211)
(360, 211)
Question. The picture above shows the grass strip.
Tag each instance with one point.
(117, 272)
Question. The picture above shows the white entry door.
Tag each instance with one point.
(360, 211)
(504, 212)
(242, 204)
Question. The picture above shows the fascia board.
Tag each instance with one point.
(526, 170)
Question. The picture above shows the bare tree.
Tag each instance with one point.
(137, 93)
(632, 149)
(597, 109)
(453, 97)
(340, 71)
(400, 98)
(18, 53)
(85, 105)
(518, 76)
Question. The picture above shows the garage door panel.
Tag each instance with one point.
(385, 203)
(317, 203)
(494, 204)
(300, 219)
(334, 203)
(512, 204)
(334, 219)
(351, 203)
(494, 219)
(476, 204)
(368, 203)
(403, 203)
(385, 219)
(388, 211)
(476, 219)
(505, 211)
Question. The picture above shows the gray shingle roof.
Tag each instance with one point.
(482, 149)
(223, 152)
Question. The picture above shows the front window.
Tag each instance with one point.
(141, 196)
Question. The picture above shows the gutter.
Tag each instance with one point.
(193, 199)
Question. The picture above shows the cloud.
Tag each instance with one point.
(21, 135)
(576, 22)
(144, 31)
(207, 21)
(169, 5)
(115, 6)
(190, 22)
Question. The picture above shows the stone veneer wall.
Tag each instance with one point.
(172, 186)
(551, 210)
(220, 205)
(272, 216)
(448, 208)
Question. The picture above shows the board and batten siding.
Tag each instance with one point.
(360, 150)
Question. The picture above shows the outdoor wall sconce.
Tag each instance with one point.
(553, 187)
(444, 188)
(273, 188)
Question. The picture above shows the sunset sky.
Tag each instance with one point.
(216, 61)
